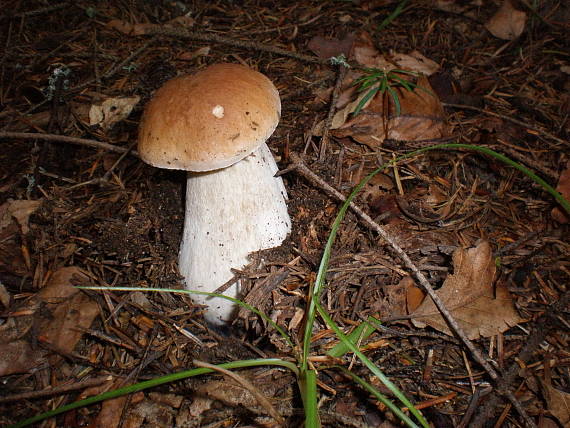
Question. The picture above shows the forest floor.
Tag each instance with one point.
(78, 207)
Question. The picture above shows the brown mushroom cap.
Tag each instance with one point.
(209, 120)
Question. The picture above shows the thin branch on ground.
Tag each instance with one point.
(57, 390)
(35, 12)
(65, 139)
(181, 33)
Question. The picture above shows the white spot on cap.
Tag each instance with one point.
(218, 111)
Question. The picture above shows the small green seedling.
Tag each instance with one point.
(376, 81)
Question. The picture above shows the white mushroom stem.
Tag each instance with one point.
(230, 213)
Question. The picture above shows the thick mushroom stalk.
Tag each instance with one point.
(230, 213)
(214, 124)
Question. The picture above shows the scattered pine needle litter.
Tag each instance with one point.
(79, 208)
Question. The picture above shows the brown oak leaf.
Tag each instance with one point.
(469, 295)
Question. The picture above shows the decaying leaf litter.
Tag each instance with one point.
(492, 243)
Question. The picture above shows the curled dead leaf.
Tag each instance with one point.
(365, 53)
(329, 47)
(18, 357)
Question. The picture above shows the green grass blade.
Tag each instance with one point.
(360, 333)
(409, 86)
(383, 83)
(152, 383)
(323, 266)
(365, 84)
(379, 396)
(308, 387)
(396, 100)
(395, 13)
(374, 369)
(364, 100)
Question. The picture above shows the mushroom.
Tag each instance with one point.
(214, 125)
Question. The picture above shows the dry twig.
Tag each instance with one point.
(57, 390)
(65, 139)
(244, 44)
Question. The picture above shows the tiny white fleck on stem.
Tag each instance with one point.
(218, 111)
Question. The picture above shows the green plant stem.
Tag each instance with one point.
(308, 388)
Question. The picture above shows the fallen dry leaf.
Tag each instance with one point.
(232, 394)
(468, 295)
(365, 53)
(111, 111)
(14, 221)
(18, 357)
(149, 413)
(4, 296)
(421, 117)
(399, 300)
(507, 23)
(19, 210)
(414, 297)
(417, 62)
(558, 404)
(111, 410)
(449, 6)
(65, 308)
(69, 309)
(326, 48)
(563, 188)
